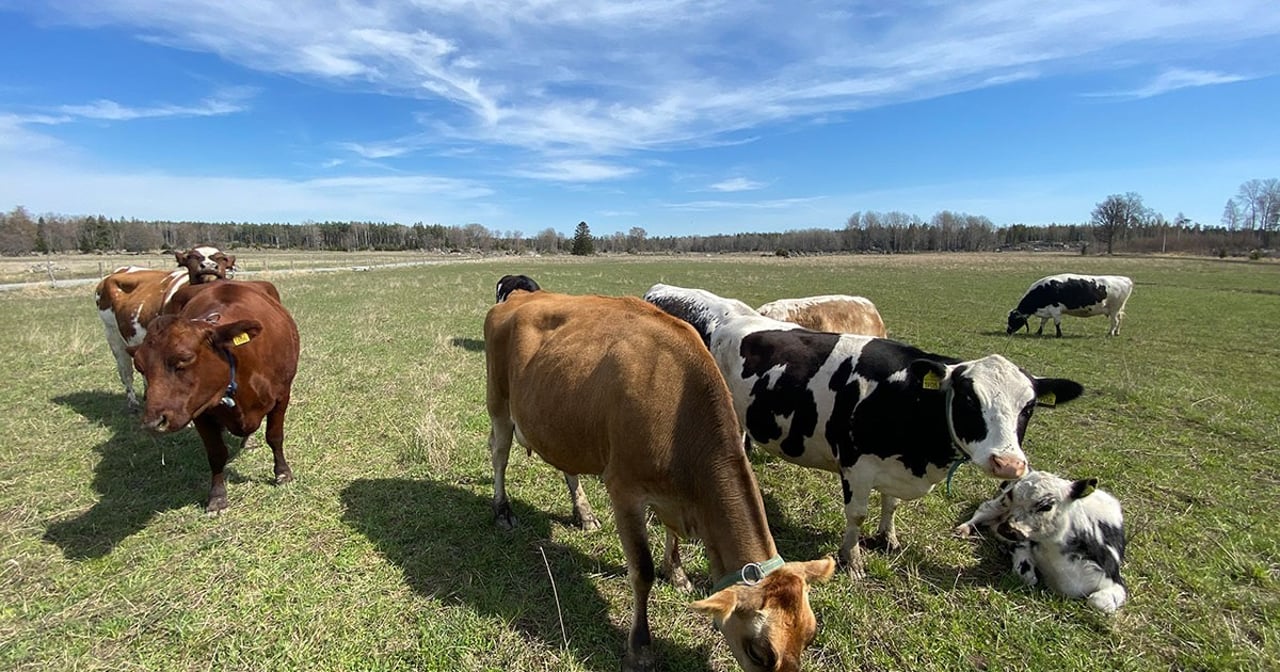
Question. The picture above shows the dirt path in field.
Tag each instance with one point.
(77, 282)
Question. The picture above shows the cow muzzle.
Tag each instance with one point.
(160, 423)
(1007, 467)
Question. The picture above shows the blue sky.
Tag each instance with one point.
(676, 117)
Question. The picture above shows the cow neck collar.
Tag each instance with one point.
(955, 438)
(750, 574)
(228, 396)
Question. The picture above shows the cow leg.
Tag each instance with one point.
(1115, 324)
(1024, 564)
(857, 492)
(1057, 325)
(275, 439)
(988, 512)
(214, 447)
(1040, 331)
(886, 534)
(124, 363)
(582, 513)
(671, 565)
(501, 431)
(630, 519)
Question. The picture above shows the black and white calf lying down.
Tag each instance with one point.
(1070, 294)
(884, 415)
(1067, 534)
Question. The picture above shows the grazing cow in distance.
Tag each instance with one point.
(1068, 534)
(225, 361)
(510, 283)
(613, 386)
(131, 296)
(1070, 294)
(835, 313)
(884, 415)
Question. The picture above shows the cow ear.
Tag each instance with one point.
(180, 257)
(718, 606)
(231, 261)
(928, 374)
(1053, 391)
(1083, 487)
(236, 333)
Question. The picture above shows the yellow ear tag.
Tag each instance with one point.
(240, 339)
(1047, 399)
(931, 381)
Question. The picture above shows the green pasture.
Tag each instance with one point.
(383, 556)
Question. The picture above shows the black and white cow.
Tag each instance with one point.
(884, 415)
(1075, 295)
(510, 283)
(1068, 534)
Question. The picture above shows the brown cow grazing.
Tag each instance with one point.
(833, 313)
(226, 361)
(131, 296)
(615, 387)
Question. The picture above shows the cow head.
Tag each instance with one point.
(989, 402)
(510, 283)
(769, 624)
(206, 264)
(1037, 505)
(1016, 321)
(185, 366)
(701, 309)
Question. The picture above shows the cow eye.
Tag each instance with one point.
(758, 655)
(1043, 507)
(182, 361)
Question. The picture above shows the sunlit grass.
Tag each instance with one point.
(383, 556)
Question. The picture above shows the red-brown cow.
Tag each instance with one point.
(131, 296)
(226, 361)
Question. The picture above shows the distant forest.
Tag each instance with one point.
(1120, 223)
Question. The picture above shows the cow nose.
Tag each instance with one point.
(1008, 466)
(1007, 531)
(160, 423)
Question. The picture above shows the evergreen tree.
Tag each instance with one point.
(582, 243)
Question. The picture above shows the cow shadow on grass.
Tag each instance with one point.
(804, 541)
(444, 540)
(468, 344)
(137, 476)
(1048, 336)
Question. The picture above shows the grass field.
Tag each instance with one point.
(383, 556)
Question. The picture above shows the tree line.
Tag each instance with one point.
(1118, 223)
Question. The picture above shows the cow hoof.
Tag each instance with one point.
(503, 517)
(589, 523)
(680, 581)
(638, 662)
(964, 531)
(216, 506)
(286, 477)
(884, 542)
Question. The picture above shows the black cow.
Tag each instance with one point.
(510, 283)
(1071, 294)
(884, 415)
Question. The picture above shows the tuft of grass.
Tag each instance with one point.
(383, 556)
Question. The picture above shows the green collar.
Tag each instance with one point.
(750, 574)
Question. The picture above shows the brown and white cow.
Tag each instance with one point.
(834, 313)
(615, 387)
(131, 296)
(225, 361)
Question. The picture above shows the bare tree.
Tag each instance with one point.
(1116, 215)
(1260, 206)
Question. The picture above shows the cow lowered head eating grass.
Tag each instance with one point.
(884, 415)
(615, 387)
(226, 360)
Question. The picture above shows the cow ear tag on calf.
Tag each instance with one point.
(931, 381)
(240, 339)
(1048, 400)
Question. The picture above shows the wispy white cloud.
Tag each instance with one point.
(736, 184)
(602, 78)
(575, 171)
(226, 102)
(772, 204)
(1173, 80)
